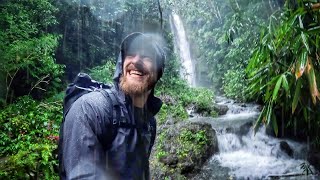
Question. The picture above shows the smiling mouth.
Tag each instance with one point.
(136, 72)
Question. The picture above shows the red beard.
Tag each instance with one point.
(136, 88)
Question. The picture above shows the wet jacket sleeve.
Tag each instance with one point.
(83, 154)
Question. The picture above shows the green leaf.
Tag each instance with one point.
(259, 120)
(269, 112)
(285, 84)
(305, 42)
(274, 124)
(301, 64)
(276, 89)
(296, 95)
(312, 83)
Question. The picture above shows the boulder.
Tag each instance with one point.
(284, 146)
(244, 129)
(182, 149)
(221, 109)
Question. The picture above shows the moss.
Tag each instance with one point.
(181, 150)
(190, 142)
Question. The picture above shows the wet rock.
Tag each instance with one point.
(187, 167)
(243, 105)
(229, 130)
(314, 158)
(221, 109)
(169, 160)
(182, 149)
(167, 99)
(284, 146)
(244, 129)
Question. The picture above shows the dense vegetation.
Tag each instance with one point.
(266, 51)
(284, 71)
(36, 44)
(227, 32)
(27, 62)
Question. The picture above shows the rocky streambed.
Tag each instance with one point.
(227, 148)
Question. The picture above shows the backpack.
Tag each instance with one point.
(84, 84)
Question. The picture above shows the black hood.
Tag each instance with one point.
(158, 45)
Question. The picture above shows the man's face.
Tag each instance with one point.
(139, 74)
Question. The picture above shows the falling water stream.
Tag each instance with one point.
(242, 154)
(246, 155)
(182, 48)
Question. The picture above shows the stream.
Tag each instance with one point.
(244, 154)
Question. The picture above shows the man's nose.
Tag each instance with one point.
(137, 58)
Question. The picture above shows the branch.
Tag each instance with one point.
(285, 175)
(40, 81)
(11, 80)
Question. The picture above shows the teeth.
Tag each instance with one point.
(136, 72)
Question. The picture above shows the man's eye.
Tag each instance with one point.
(147, 59)
(130, 55)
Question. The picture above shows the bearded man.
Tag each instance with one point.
(86, 152)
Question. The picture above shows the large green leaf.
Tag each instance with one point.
(304, 40)
(301, 64)
(259, 120)
(285, 83)
(296, 95)
(276, 89)
(269, 112)
(312, 82)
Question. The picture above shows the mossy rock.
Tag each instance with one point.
(182, 149)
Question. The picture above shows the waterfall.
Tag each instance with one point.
(182, 48)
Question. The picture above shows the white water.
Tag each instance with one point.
(183, 49)
(250, 156)
(258, 156)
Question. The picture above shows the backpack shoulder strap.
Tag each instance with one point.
(119, 118)
(153, 130)
(108, 94)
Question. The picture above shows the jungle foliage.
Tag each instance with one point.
(43, 40)
(93, 30)
(284, 70)
(28, 139)
(225, 36)
(26, 49)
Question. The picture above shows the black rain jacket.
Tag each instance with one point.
(84, 154)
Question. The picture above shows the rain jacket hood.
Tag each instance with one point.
(157, 45)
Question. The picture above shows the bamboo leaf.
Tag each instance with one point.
(301, 64)
(285, 83)
(314, 30)
(300, 22)
(269, 113)
(305, 42)
(276, 88)
(259, 120)
(312, 82)
(296, 95)
(275, 124)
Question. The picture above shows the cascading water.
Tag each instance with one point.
(245, 155)
(182, 48)
(258, 156)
